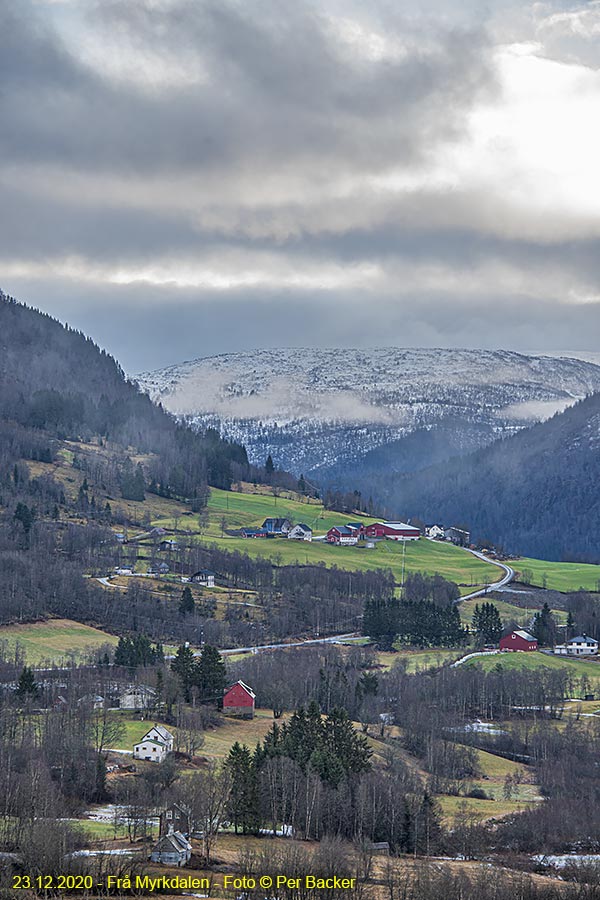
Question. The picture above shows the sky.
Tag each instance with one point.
(180, 178)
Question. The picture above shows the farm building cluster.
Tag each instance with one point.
(580, 645)
(351, 533)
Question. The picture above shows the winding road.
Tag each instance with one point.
(509, 574)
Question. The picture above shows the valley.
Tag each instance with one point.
(166, 649)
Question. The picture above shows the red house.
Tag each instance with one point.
(395, 531)
(519, 640)
(342, 534)
(239, 700)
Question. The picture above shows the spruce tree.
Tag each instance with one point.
(184, 666)
(243, 805)
(210, 675)
(26, 686)
(186, 604)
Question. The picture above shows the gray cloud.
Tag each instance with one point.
(237, 175)
(141, 324)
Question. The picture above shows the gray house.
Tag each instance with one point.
(172, 849)
(176, 818)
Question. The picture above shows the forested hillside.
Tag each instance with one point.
(56, 383)
(535, 493)
(66, 406)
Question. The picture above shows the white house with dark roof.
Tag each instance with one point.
(582, 645)
(150, 751)
(155, 745)
(204, 577)
(300, 532)
(160, 733)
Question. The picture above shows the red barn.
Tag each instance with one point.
(395, 531)
(342, 534)
(239, 700)
(519, 640)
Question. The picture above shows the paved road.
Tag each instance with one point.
(334, 639)
(509, 574)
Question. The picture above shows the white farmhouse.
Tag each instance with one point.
(204, 577)
(300, 532)
(582, 645)
(160, 733)
(155, 745)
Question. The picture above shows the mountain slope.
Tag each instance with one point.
(323, 412)
(56, 382)
(535, 493)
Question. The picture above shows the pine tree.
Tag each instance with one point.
(160, 689)
(26, 686)
(269, 466)
(26, 516)
(487, 623)
(210, 674)
(544, 626)
(244, 794)
(184, 666)
(186, 604)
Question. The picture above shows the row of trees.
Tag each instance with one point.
(202, 678)
(419, 623)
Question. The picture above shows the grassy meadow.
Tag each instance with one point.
(235, 510)
(558, 576)
(53, 641)
(536, 660)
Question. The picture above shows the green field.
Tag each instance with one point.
(418, 660)
(236, 510)
(239, 510)
(54, 641)
(217, 741)
(558, 576)
(508, 612)
(536, 660)
(134, 730)
(454, 808)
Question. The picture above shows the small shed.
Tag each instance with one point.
(239, 700)
(379, 848)
(172, 849)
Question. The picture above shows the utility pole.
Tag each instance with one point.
(403, 559)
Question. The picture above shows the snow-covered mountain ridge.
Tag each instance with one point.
(325, 410)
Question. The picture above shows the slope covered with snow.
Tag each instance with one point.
(325, 411)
